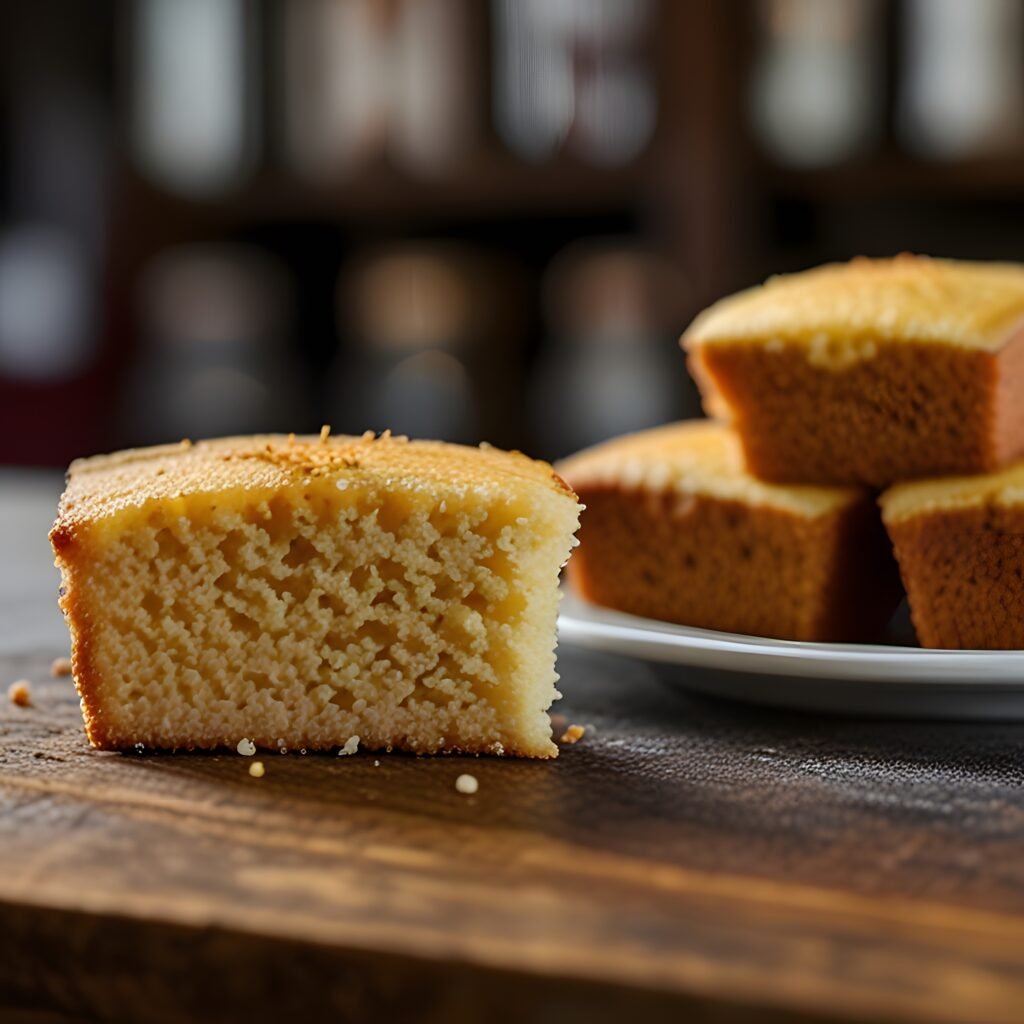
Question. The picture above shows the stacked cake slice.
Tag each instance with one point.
(870, 372)
(676, 528)
(839, 381)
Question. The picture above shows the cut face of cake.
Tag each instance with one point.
(960, 546)
(315, 593)
(870, 372)
(676, 529)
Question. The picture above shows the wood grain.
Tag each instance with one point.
(686, 858)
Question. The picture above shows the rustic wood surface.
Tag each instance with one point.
(686, 860)
(685, 855)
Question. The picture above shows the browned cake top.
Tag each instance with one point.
(1004, 488)
(107, 484)
(906, 298)
(697, 457)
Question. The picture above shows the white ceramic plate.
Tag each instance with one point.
(857, 679)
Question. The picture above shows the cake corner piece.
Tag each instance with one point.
(305, 592)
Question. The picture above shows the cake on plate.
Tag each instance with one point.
(676, 528)
(960, 546)
(869, 372)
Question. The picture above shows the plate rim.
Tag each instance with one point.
(589, 625)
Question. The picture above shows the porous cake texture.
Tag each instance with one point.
(869, 372)
(309, 593)
(960, 546)
(675, 528)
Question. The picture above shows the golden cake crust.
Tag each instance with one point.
(853, 305)
(102, 485)
(698, 457)
(1003, 488)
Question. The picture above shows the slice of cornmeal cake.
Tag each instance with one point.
(870, 372)
(960, 545)
(305, 592)
(675, 528)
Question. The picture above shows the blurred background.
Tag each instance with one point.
(457, 218)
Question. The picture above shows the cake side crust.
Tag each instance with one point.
(725, 565)
(963, 569)
(73, 603)
(909, 411)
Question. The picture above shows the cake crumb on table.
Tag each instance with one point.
(256, 769)
(467, 784)
(573, 734)
(350, 747)
(20, 693)
(246, 747)
(60, 667)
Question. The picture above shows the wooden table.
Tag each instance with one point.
(686, 860)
